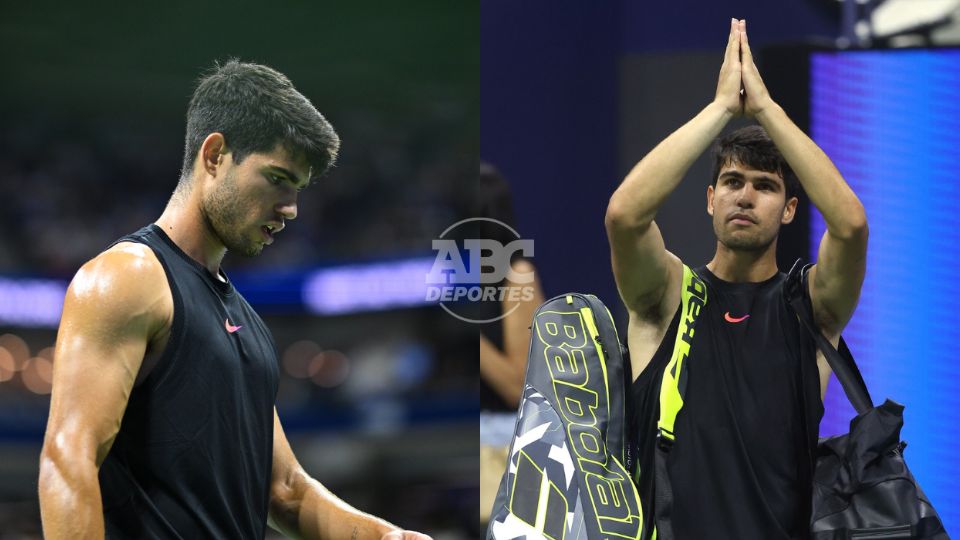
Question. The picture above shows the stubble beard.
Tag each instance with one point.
(745, 241)
(222, 210)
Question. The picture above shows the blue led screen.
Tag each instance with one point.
(890, 120)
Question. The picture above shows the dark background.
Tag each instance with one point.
(574, 94)
(92, 110)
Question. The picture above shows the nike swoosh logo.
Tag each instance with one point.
(734, 319)
(230, 328)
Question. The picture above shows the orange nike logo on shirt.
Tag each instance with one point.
(230, 328)
(734, 319)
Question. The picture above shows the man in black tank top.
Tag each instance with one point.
(162, 420)
(740, 463)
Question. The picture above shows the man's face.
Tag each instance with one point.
(249, 204)
(748, 207)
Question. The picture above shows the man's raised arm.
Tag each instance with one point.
(842, 259)
(641, 265)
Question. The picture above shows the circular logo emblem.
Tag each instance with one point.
(473, 270)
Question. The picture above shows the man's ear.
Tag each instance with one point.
(212, 153)
(789, 211)
(710, 200)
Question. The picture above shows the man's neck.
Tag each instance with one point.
(185, 225)
(744, 266)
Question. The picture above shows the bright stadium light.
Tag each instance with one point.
(900, 23)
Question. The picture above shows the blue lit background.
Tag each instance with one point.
(890, 120)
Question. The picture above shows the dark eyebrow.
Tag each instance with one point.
(734, 174)
(768, 179)
(289, 174)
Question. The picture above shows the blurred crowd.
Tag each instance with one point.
(375, 402)
(68, 191)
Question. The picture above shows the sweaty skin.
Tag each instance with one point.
(747, 209)
(117, 317)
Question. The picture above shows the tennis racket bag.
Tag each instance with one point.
(568, 474)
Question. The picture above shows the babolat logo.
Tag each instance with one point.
(473, 266)
(698, 296)
(582, 395)
(694, 298)
(674, 377)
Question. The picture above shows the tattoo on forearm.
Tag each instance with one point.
(353, 535)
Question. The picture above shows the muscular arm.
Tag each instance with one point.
(836, 279)
(504, 370)
(111, 310)
(642, 267)
(301, 507)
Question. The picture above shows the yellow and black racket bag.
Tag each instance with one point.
(568, 474)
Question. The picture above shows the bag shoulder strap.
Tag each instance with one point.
(841, 361)
(673, 386)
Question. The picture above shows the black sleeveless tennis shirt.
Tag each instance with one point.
(193, 455)
(740, 467)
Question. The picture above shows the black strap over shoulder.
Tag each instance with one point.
(841, 361)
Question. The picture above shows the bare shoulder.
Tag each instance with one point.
(122, 283)
(116, 305)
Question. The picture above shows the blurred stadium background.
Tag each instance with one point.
(379, 390)
(590, 88)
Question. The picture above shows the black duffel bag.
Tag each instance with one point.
(862, 488)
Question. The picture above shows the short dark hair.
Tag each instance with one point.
(255, 108)
(752, 147)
